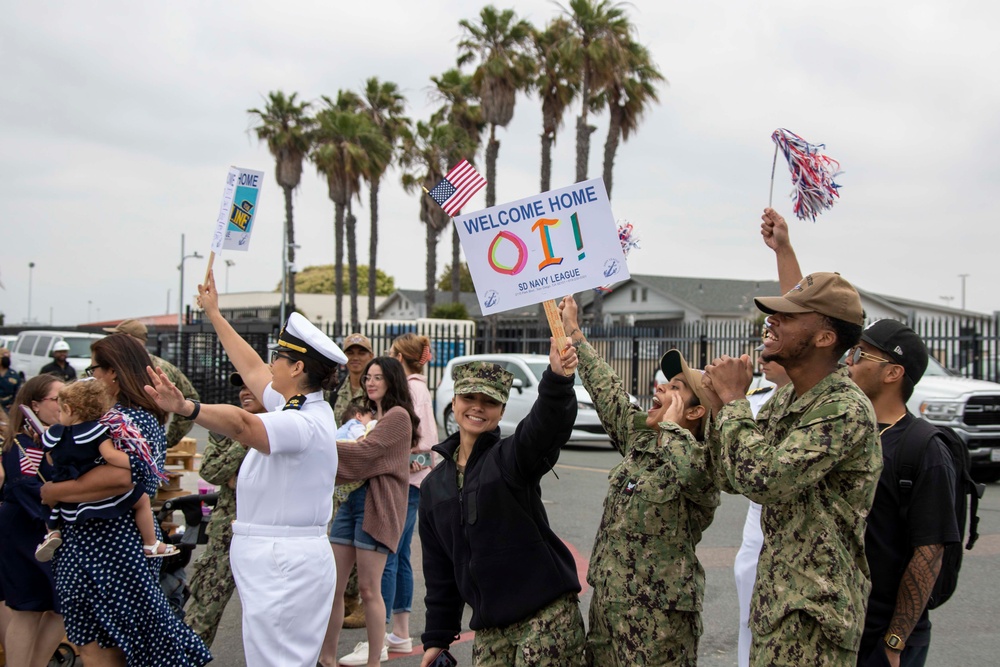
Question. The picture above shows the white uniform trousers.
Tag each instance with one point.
(286, 578)
(745, 570)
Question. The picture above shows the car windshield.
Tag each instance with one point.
(79, 347)
(935, 368)
(537, 368)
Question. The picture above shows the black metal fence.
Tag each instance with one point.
(970, 347)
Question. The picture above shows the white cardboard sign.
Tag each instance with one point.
(542, 247)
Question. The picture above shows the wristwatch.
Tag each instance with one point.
(894, 641)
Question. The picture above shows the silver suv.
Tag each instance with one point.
(33, 349)
(970, 407)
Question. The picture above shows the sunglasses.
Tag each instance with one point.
(856, 354)
(280, 355)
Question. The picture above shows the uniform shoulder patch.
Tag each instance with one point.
(295, 402)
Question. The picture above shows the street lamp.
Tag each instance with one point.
(180, 296)
(31, 270)
(89, 302)
(963, 276)
(229, 263)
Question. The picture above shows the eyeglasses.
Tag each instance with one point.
(89, 370)
(278, 355)
(374, 378)
(856, 354)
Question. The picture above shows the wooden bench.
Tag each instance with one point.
(183, 454)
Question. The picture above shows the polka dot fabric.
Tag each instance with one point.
(109, 591)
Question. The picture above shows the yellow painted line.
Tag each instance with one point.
(584, 468)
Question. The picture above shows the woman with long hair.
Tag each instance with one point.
(368, 526)
(26, 585)
(414, 352)
(112, 603)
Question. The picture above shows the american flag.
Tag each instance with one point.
(31, 460)
(457, 187)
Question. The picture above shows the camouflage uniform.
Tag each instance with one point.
(178, 428)
(548, 638)
(648, 583)
(813, 463)
(212, 582)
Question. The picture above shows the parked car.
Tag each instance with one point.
(527, 370)
(7, 341)
(970, 407)
(33, 349)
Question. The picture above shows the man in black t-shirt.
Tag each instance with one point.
(905, 558)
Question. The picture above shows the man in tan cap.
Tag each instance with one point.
(178, 428)
(812, 460)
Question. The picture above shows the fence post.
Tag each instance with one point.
(702, 351)
(635, 363)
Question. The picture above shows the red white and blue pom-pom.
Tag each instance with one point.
(629, 240)
(813, 174)
(127, 438)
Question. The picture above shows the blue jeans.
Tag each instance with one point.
(397, 577)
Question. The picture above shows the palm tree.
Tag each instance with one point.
(601, 30)
(346, 143)
(384, 105)
(557, 55)
(285, 126)
(628, 94)
(499, 43)
(458, 110)
(425, 157)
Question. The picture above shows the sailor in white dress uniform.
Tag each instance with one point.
(281, 559)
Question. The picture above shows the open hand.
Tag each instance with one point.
(164, 393)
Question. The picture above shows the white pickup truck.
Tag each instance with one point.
(970, 407)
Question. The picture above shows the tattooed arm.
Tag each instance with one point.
(914, 591)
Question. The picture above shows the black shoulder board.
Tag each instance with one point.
(760, 390)
(295, 402)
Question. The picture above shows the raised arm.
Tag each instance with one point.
(228, 420)
(255, 373)
(774, 229)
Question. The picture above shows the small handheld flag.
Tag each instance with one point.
(812, 174)
(457, 187)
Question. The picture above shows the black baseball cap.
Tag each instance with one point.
(901, 344)
(236, 380)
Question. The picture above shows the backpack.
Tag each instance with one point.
(967, 495)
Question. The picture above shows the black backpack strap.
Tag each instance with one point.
(977, 492)
(908, 461)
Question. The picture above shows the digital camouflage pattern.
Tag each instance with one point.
(553, 637)
(813, 463)
(623, 634)
(661, 498)
(799, 641)
(178, 428)
(481, 377)
(212, 582)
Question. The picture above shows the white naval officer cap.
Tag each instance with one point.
(300, 335)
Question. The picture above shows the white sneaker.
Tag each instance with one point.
(360, 655)
(402, 646)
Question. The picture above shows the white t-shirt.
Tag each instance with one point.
(293, 485)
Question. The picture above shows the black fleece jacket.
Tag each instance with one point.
(489, 545)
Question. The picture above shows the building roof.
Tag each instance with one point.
(709, 296)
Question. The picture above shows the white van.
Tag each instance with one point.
(33, 349)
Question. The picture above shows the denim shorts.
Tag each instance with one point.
(346, 528)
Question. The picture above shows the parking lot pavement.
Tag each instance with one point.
(964, 629)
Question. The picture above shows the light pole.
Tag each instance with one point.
(31, 271)
(89, 302)
(963, 276)
(947, 300)
(180, 295)
(229, 263)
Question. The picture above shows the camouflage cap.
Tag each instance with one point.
(482, 377)
(824, 293)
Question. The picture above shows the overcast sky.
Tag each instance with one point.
(118, 122)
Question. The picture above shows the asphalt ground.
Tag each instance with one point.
(965, 629)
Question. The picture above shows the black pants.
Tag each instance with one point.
(912, 656)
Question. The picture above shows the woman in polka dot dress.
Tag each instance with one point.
(110, 595)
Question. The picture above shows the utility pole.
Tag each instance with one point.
(963, 276)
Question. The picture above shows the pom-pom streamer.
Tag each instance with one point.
(813, 174)
(628, 239)
(127, 438)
